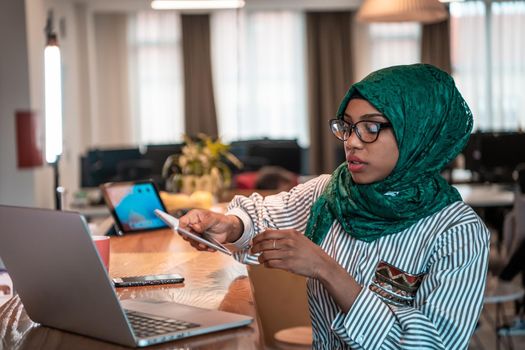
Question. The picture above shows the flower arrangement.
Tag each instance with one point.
(201, 166)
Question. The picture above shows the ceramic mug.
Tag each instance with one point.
(102, 244)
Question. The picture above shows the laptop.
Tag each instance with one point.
(63, 284)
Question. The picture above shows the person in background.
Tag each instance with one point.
(394, 258)
(514, 267)
(516, 264)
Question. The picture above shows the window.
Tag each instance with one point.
(393, 44)
(467, 41)
(156, 76)
(508, 65)
(488, 61)
(259, 72)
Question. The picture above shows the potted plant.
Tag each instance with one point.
(202, 165)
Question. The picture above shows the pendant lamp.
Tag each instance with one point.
(424, 11)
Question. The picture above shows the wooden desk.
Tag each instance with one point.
(486, 195)
(213, 281)
(491, 201)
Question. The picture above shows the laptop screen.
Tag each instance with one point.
(133, 205)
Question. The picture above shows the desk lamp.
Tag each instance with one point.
(53, 105)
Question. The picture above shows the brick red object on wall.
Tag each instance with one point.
(29, 152)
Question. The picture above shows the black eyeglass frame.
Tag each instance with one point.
(353, 128)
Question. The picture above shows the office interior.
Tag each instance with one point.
(124, 76)
(105, 108)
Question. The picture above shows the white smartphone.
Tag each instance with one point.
(205, 239)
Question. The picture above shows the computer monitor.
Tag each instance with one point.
(494, 156)
(260, 152)
(99, 166)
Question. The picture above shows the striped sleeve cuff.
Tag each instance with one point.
(366, 324)
(244, 241)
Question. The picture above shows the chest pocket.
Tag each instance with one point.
(395, 286)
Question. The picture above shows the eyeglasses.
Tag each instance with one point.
(367, 131)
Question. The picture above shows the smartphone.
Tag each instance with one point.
(135, 281)
(205, 239)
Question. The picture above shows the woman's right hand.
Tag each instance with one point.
(223, 228)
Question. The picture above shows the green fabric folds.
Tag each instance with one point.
(431, 123)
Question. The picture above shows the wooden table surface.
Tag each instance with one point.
(212, 280)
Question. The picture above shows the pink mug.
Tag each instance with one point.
(102, 244)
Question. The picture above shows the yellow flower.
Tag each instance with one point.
(203, 158)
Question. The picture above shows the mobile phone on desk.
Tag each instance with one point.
(148, 280)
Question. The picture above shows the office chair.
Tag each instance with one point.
(282, 306)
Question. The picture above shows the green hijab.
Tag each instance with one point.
(431, 123)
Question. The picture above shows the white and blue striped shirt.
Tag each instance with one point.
(448, 249)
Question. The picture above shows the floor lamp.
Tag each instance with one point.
(53, 106)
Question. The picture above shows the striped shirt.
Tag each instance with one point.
(447, 251)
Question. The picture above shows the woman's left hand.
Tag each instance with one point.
(290, 250)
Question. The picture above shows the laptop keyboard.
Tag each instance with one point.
(148, 325)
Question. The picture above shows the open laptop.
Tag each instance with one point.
(63, 284)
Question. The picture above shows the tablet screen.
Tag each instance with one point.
(133, 205)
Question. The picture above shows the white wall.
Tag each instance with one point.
(82, 124)
(73, 86)
(21, 87)
(16, 186)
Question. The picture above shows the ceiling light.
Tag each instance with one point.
(424, 11)
(196, 4)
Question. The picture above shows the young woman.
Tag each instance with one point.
(394, 258)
